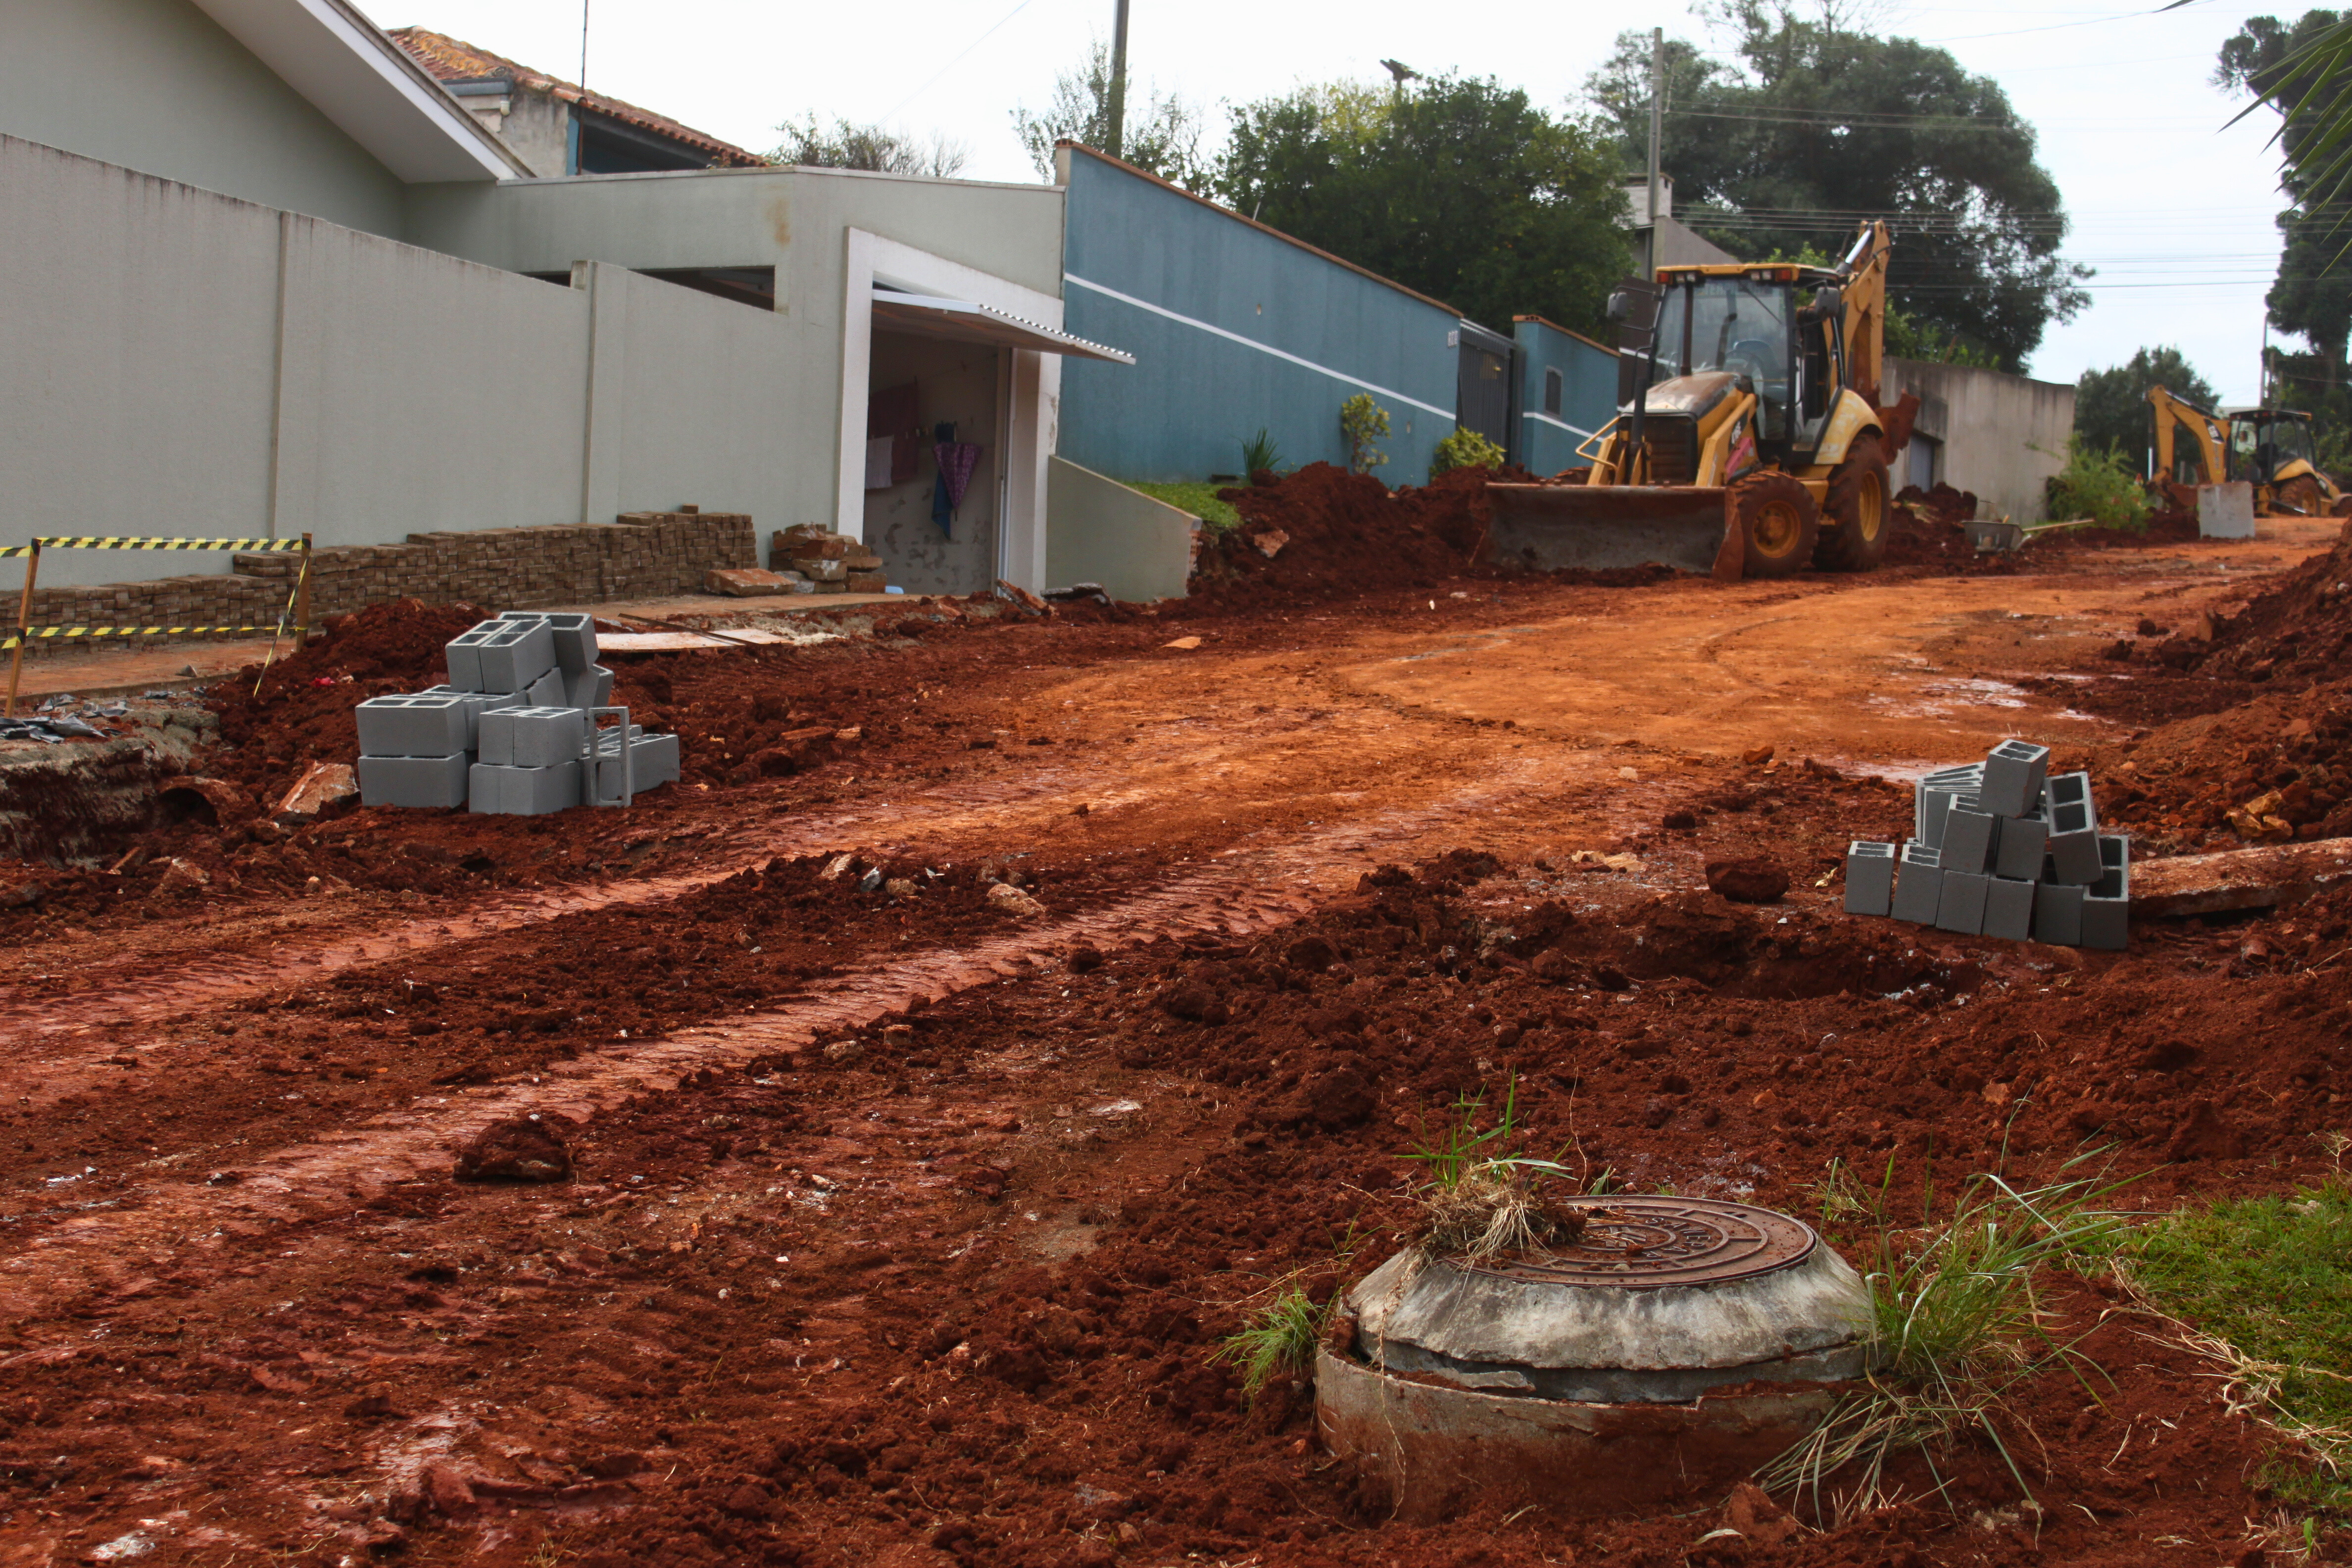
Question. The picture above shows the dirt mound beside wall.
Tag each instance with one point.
(1335, 534)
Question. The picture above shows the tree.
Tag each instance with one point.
(1163, 139)
(1816, 125)
(870, 147)
(2313, 293)
(1454, 186)
(2111, 405)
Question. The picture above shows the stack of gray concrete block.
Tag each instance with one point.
(514, 730)
(2000, 849)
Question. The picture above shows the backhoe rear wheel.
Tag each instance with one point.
(1856, 511)
(2300, 494)
(1778, 521)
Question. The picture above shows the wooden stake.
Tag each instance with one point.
(302, 599)
(23, 624)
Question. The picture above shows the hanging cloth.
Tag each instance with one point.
(891, 416)
(956, 460)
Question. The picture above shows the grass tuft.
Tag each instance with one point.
(1279, 1338)
(1956, 1323)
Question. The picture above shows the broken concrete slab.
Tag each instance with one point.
(2249, 879)
(323, 788)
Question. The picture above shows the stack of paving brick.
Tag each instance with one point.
(829, 563)
(2000, 849)
(513, 731)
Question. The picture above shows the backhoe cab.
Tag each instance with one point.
(2270, 449)
(1753, 444)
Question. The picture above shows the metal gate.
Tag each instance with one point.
(1482, 395)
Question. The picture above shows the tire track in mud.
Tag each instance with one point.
(119, 1247)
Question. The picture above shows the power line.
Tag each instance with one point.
(933, 79)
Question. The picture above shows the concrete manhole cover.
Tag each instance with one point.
(1648, 1243)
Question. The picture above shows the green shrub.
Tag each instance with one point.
(1193, 496)
(1279, 1338)
(1365, 424)
(1260, 454)
(1465, 448)
(2098, 483)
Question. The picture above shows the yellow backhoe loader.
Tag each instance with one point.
(2270, 449)
(1757, 446)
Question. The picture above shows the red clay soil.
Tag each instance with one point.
(1345, 534)
(941, 1284)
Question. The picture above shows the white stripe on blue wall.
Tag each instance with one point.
(1548, 419)
(1447, 414)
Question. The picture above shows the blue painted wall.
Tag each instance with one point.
(1587, 373)
(1193, 396)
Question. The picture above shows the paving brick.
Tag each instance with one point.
(2014, 774)
(421, 782)
(1961, 907)
(1918, 885)
(1869, 878)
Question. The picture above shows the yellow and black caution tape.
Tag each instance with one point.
(89, 542)
(8, 550)
(44, 634)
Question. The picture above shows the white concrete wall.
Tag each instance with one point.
(158, 86)
(174, 362)
(1137, 546)
(827, 233)
(2002, 435)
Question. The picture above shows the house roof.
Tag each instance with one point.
(345, 65)
(452, 60)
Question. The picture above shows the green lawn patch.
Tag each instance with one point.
(1195, 496)
(2272, 1278)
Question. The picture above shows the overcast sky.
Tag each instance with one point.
(2174, 210)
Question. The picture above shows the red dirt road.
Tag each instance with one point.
(902, 1226)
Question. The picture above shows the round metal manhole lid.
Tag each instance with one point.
(1638, 1242)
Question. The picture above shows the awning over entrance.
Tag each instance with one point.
(965, 321)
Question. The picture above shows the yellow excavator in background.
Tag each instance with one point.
(1759, 450)
(2269, 448)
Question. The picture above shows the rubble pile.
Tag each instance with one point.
(2000, 849)
(514, 730)
(807, 558)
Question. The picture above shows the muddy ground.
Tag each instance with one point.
(898, 1224)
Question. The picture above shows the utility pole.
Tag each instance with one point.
(1118, 104)
(1658, 124)
(584, 47)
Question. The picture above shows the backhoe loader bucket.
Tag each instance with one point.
(1547, 527)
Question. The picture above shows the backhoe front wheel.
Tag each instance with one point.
(1777, 520)
(1855, 512)
(2301, 495)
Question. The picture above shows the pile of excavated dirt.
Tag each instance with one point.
(2273, 767)
(1323, 533)
(2297, 632)
(1925, 530)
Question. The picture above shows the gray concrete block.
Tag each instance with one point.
(591, 687)
(653, 762)
(2073, 827)
(532, 737)
(1971, 839)
(2024, 845)
(1869, 878)
(424, 783)
(476, 704)
(2058, 913)
(2014, 775)
(2009, 909)
(1918, 885)
(1962, 906)
(500, 790)
(1934, 794)
(574, 634)
(550, 690)
(500, 656)
(424, 724)
(2106, 906)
